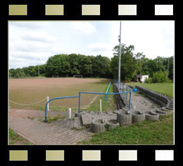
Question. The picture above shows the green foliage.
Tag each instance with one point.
(99, 66)
(169, 81)
(15, 138)
(148, 80)
(56, 117)
(159, 77)
(129, 64)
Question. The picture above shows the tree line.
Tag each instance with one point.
(67, 65)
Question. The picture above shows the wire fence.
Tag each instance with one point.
(23, 104)
(56, 105)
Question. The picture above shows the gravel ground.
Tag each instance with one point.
(141, 103)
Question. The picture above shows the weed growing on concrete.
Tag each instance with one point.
(56, 117)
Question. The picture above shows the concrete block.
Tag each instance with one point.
(98, 125)
(138, 116)
(124, 118)
(152, 116)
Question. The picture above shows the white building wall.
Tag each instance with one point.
(144, 78)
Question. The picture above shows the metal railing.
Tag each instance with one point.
(128, 90)
(102, 93)
(107, 91)
(56, 98)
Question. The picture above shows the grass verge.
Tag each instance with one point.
(15, 139)
(164, 88)
(146, 132)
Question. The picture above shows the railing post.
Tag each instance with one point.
(48, 103)
(46, 111)
(127, 92)
(69, 112)
(100, 105)
(79, 102)
(130, 100)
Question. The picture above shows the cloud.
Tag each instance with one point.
(28, 24)
(37, 36)
(83, 27)
(20, 62)
(99, 47)
(57, 50)
(29, 46)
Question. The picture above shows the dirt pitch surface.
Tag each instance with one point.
(24, 93)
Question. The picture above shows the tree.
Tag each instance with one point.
(85, 65)
(58, 65)
(101, 66)
(160, 62)
(159, 77)
(129, 65)
(145, 67)
(74, 64)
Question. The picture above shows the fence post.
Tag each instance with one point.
(127, 92)
(79, 103)
(130, 100)
(46, 112)
(69, 112)
(100, 105)
(123, 86)
(48, 103)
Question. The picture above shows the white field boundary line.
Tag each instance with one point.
(90, 102)
(85, 107)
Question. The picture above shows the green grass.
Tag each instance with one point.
(164, 88)
(14, 138)
(147, 132)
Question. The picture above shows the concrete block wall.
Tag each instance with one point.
(119, 100)
(158, 98)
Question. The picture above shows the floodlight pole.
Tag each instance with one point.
(167, 70)
(38, 67)
(119, 67)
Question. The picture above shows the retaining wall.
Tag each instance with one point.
(119, 100)
(158, 98)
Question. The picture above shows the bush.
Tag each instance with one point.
(148, 80)
(159, 77)
(169, 81)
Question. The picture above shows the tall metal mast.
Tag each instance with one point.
(119, 67)
(167, 70)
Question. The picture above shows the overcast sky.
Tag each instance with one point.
(33, 42)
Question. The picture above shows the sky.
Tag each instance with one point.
(33, 42)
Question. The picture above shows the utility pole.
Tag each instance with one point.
(119, 68)
(167, 69)
(38, 67)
